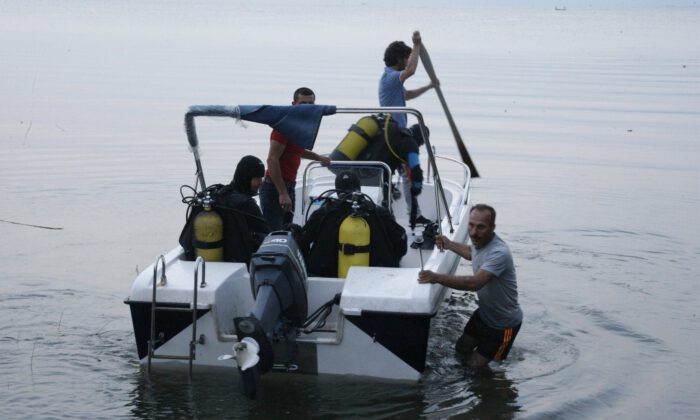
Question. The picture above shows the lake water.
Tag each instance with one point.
(584, 124)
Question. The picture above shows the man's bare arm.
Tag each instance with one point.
(273, 167)
(463, 250)
(469, 283)
(412, 64)
(308, 154)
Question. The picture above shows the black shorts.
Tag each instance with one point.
(494, 344)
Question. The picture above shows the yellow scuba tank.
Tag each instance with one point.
(358, 137)
(353, 243)
(209, 234)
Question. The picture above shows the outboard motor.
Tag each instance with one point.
(278, 279)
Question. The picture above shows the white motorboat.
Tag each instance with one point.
(375, 322)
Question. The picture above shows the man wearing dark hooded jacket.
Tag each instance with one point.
(244, 225)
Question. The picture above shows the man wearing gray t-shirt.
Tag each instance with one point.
(492, 328)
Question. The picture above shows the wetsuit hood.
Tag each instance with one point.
(248, 168)
(347, 181)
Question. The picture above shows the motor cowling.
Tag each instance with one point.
(209, 233)
(355, 142)
(279, 264)
(278, 281)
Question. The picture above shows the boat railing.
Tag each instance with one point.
(464, 168)
(465, 172)
(381, 168)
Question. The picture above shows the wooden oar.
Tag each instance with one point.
(425, 59)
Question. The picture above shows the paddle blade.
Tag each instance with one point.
(428, 65)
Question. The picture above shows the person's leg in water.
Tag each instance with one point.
(465, 348)
(482, 343)
(474, 338)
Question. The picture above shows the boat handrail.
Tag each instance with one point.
(467, 176)
(466, 179)
(191, 355)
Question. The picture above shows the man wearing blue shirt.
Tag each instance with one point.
(401, 63)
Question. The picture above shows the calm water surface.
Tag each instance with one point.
(585, 125)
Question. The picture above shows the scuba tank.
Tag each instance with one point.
(353, 242)
(209, 233)
(358, 137)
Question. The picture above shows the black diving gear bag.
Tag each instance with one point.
(319, 238)
(240, 239)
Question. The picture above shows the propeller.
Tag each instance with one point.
(245, 352)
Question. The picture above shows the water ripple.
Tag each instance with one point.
(604, 321)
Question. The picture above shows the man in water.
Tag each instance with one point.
(283, 160)
(401, 63)
(492, 328)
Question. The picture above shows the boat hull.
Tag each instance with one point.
(380, 317)
(356, 339)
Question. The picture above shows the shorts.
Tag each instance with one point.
(494, 343)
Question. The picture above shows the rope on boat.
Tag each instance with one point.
(321, 314)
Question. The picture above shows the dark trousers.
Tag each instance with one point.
(273, 213)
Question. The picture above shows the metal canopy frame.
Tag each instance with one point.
(233, 112)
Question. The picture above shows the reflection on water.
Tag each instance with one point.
(215, 394)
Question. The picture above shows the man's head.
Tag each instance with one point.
(347, 181)
(482, 224)
(417, 135)
(248, 175)
(303, 95)
(396, 54)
